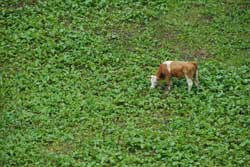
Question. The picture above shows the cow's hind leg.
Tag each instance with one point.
(189, 82)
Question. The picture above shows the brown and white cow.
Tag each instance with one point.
(169, 69)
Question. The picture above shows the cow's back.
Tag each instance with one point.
(177, 69)
(180, 69)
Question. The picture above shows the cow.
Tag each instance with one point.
(178, 69)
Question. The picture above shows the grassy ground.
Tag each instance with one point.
(74, 83)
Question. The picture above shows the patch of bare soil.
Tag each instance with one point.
(197, 54)
(206, 18)
(33, 2)
(197, 5)
(21, 4)
(169, 35)
(203, 54)
(245, 6)
(164, 34)
(66, 21)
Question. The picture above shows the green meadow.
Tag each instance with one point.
(75, 83)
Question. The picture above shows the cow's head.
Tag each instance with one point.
(153, 81)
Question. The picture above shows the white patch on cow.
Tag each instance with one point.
(168, 63)
(153, 81)
(189, 82)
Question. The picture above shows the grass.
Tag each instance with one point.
(74, 79)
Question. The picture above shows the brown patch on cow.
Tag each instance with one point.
(178, 69)
(162, 72)
(189, 69)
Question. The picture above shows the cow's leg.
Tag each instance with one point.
(168, 83)
(189, 82)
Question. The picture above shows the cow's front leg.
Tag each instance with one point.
(168, 83)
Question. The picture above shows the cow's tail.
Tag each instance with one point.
(196, 75)
(196, 72)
